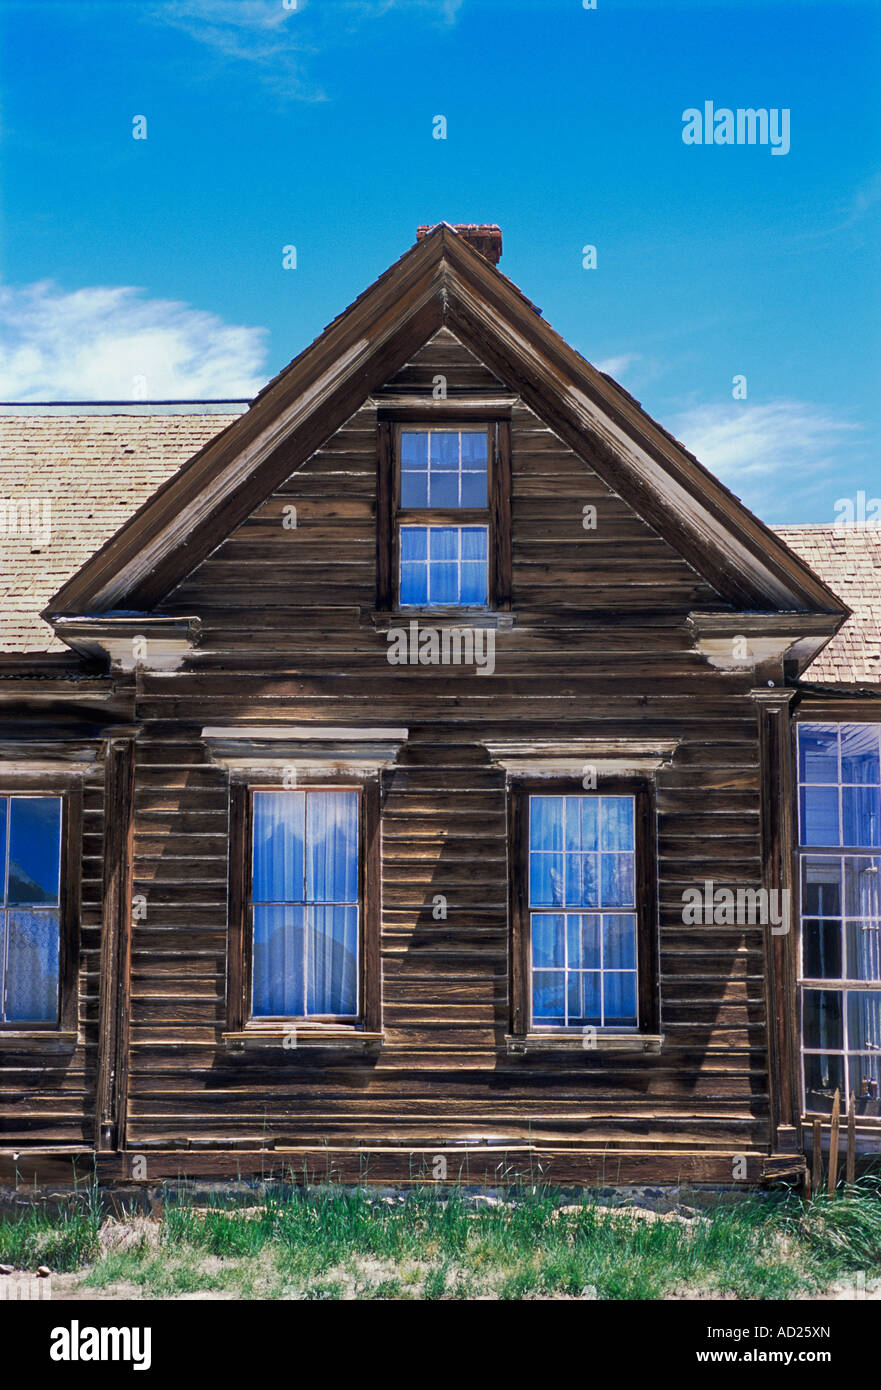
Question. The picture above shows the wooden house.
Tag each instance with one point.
(428, 772)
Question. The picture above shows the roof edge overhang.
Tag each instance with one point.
(740, 641)
(442, 281)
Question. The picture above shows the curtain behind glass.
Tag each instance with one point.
(305, 904)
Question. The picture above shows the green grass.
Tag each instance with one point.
(337, 1243)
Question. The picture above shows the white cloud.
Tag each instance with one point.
(617, 366)
(278, 40)
(112, 343)
(778, 450)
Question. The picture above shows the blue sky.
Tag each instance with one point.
(156, 265)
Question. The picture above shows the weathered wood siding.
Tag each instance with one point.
(600, 645)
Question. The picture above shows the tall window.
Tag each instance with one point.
(305, 904)
(840, 979)
(443, 517)
(30, 910)
(582, 911)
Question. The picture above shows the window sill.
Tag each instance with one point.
(295, 1039)
(38, 1039)
(646, 1043)
(442, 617)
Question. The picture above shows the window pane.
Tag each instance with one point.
(619, 998)
(546, 822)
(278, 966)
(414, 489)
(279, 830)
(619, 942)
(444, 449)
(585, 999)
(548, 997)
(474, 490)
(821, 946)
(443, 544)
(581, 822)
(414, 585)
(32, 967)
(859, 754)
(863, 950)
(546, 880)
(332, 961)
(617, 822)
(617, 880)
(414, 449)
(474, 449)
(821, 887)
(819, 816)
(865, 1081)
(474, 544)
(4, 811)
(864, 1020)
(473, 592)
(824, 1075)
(444, 490)
(817, 753)
(822, 1020)
(862, 895)
(583, 941)
(861, 811)
(548, 941)
(582, 887)
(414, 544)
(34, 849)
(332, 839)
(443, 583)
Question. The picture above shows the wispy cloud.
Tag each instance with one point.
(617, 366)
(280, 40)
(866, 197)
(113, 343)
(773, 454)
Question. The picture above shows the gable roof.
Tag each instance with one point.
(441, 282)
(848, 558)
(93, 471)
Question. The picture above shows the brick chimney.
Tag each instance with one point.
(485, 237)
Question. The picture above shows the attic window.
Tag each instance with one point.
(444, 515)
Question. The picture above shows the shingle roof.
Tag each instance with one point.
(848, 558)
(94, 471)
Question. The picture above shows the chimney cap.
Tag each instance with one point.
(485, 237)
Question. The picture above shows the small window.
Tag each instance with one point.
(305, 904)
(582, 911)
(30, 911)
(840, 893)
(444, 516)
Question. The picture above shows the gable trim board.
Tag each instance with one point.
(441, 282)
